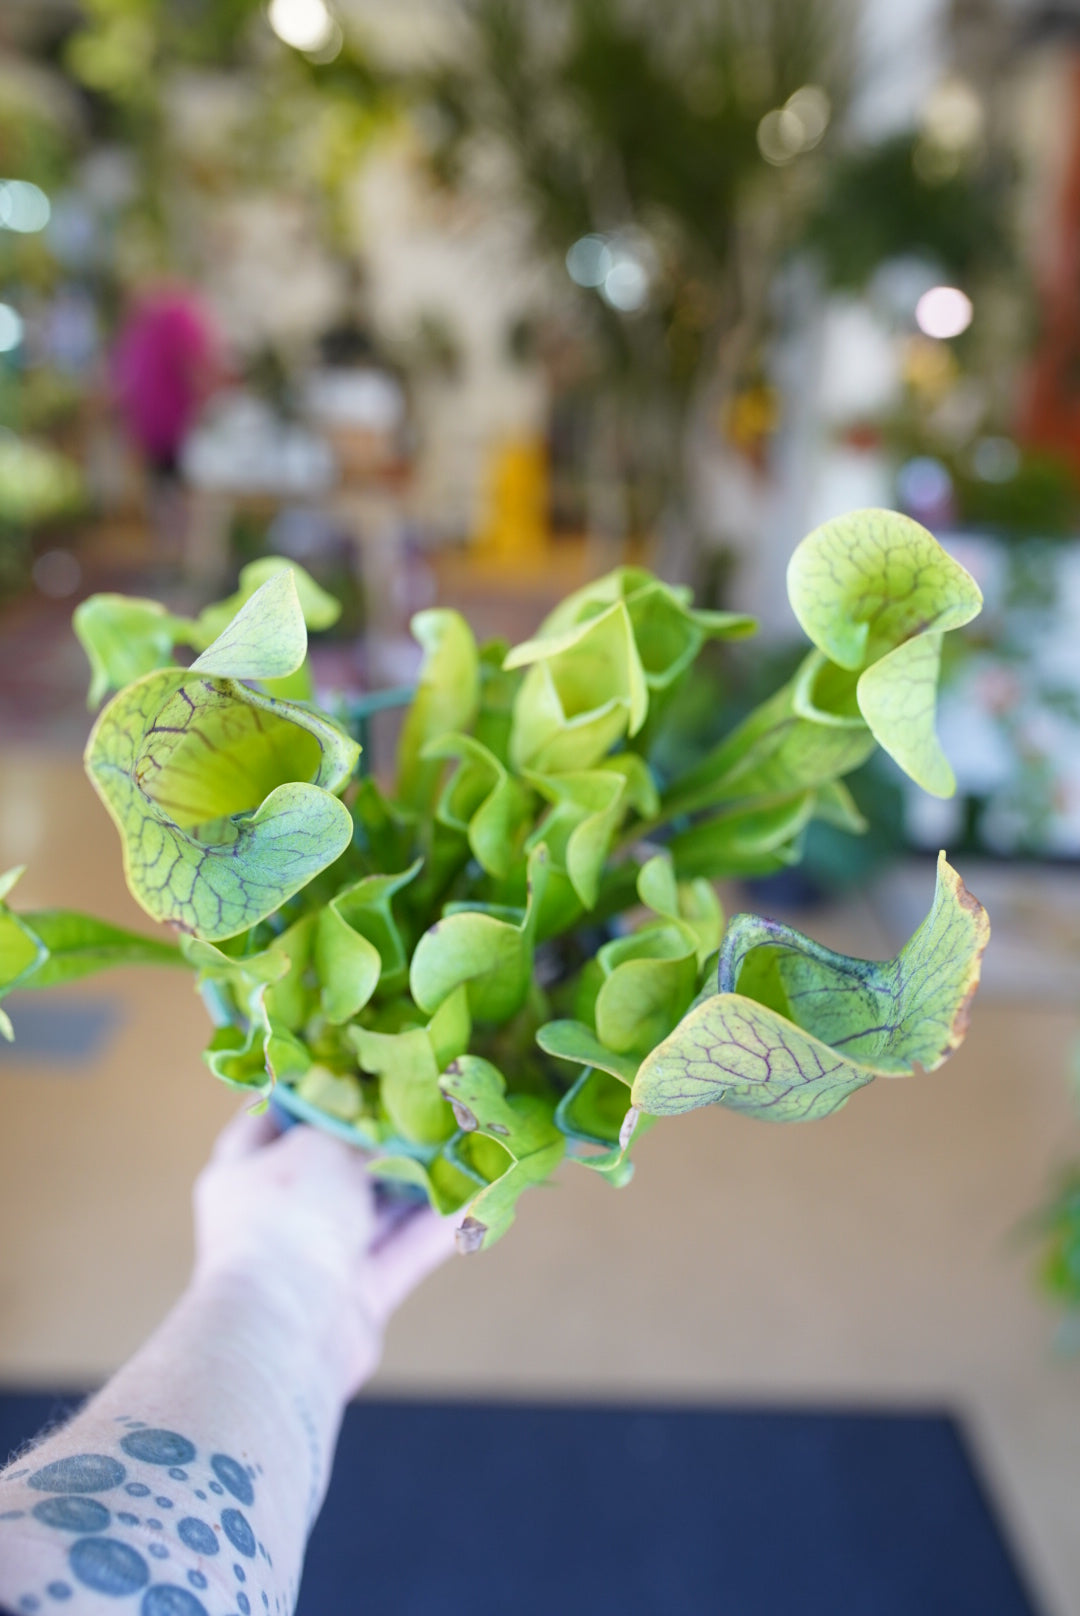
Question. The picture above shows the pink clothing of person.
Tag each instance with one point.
(163, 369)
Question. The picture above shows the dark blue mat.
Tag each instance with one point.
(491, 1510)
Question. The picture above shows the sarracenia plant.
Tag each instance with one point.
(514, 951)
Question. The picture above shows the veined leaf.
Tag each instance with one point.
(793, 1029)
(898, 698)
(267, 639)
(864, 583)
(223, 796)
(876, 592)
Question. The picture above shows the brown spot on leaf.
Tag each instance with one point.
(465, 1119)
(962, 1019)
(470, 1236)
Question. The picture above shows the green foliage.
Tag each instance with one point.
(46, 947)
(892, 199)
(416, 965)
(876, 593)
(223, 796)
(788, 1030)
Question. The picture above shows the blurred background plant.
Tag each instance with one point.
(670, 226)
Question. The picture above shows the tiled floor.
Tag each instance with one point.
(869, 1258)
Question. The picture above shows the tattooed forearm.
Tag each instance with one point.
(160, 1523)
(189, 1485)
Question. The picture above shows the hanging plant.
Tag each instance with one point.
(514, 951)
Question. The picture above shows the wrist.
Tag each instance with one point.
(295, 1323)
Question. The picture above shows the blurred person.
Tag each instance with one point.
(166, 364)
(193, 1478)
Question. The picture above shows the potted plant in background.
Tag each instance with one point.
(514, 951)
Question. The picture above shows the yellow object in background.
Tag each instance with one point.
(514, 523)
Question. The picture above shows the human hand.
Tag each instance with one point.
(294, 1214)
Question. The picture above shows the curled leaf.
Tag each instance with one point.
(793, 1029)
(864, 583)
(445, 703)
(597, 1117)
(223, 797)
(368, 908)
(521, 1126)
(409, 1061)
(585, 689)
(320, 610)
(649, 979)
(875, 592)
(790, 744)
(347, 965)
(491, 953)
(898, 699)
(574, 1041)
(595, 661)
(588, 807)
(125, 638)
(482, 801)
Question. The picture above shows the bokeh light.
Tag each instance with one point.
(796, 127)
(57, 574)
(626, 285)
(943, 311)
(306, 25)
(589, 260)
(23, 207)
(617, 267)
(11, 328)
